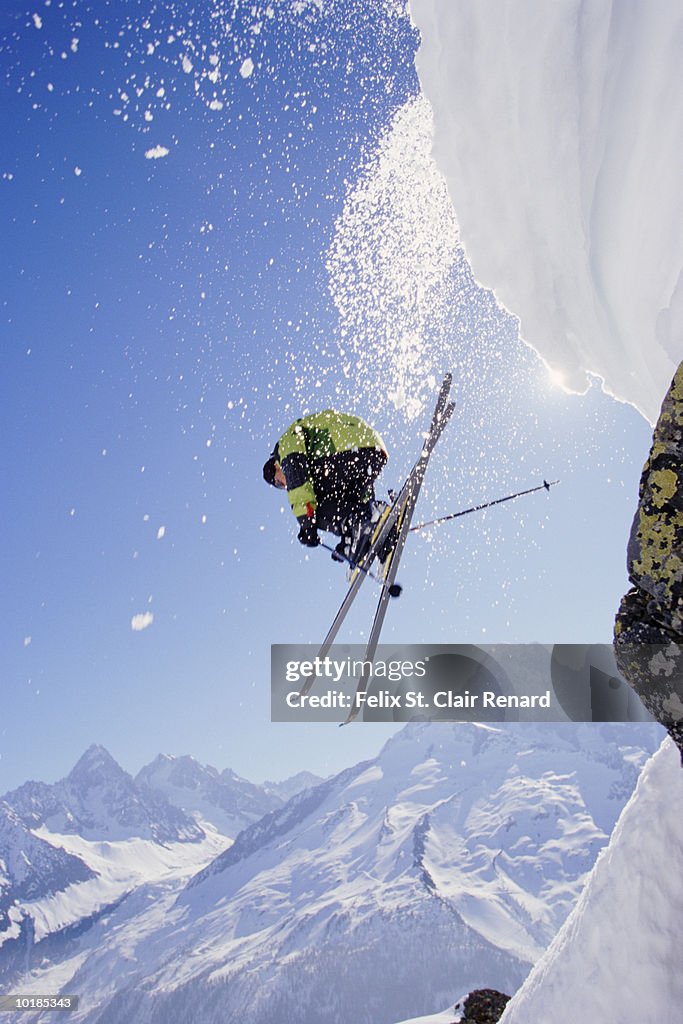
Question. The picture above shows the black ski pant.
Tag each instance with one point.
(344, 486)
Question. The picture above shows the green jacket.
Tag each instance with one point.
(319, 436)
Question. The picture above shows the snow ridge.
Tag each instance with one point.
(620, 948)
(577, 169)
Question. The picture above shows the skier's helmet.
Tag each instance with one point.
(269, 467)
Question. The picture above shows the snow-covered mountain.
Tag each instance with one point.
(618, 955)
(288, 788)
(445, 864)
(223, 799)
(563, 168)
(99, 800)
(71, 851)
(30, 867)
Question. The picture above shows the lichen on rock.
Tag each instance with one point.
(648, 631)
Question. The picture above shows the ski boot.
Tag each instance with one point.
(364, 530)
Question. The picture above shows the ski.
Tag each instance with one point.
(354, 586)
(441, 414)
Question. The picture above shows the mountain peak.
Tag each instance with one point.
(184, 772)
(96, 765)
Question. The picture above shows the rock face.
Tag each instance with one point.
(648, 633)
(656, 541)
(484, 1006)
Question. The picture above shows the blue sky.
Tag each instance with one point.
(164, 319)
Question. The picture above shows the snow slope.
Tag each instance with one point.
(30, 867)
(618, 956)
(117, 869)
(445, 864)
(559, 129)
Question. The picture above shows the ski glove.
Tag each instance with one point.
(308, 533)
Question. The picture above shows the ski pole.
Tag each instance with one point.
(395, 588)
(487, 504)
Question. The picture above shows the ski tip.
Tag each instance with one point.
(395, 590)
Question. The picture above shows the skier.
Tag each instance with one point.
(328, 463)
